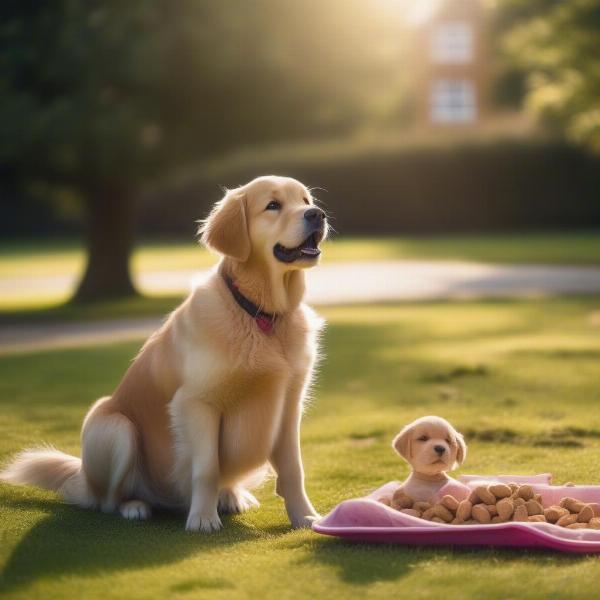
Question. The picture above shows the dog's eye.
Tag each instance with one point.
(273, 205)
(423, 438)
(306, 201)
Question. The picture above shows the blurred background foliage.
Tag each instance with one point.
(128, 116)
(556, 45)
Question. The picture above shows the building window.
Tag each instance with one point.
(452, 43)
(452, 101)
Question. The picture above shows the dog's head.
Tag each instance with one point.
(271, 219)
(431, 445)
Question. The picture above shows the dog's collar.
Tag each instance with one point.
(264, 320)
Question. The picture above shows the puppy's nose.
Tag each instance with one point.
(439, 449)
(315, 216)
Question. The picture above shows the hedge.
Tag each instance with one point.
(473, 186)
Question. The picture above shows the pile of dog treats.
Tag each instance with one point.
(499, 503)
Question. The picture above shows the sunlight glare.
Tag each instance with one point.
(414, 11)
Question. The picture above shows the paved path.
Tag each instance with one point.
(337, 283)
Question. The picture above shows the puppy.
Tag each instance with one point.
(216, 394)
(431, 446)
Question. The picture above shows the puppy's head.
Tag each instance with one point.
(272, 220)
(431, 445)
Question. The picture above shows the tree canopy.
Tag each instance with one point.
(103, 96)
(105, 90)
(556, 44)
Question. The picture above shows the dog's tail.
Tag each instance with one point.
(50, 469)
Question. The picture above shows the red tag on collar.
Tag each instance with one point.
(264, 323)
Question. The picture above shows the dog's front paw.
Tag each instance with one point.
(203, 523)
(305, 521)
(135, 510)
(236, 501)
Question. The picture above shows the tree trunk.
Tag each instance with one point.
(110, 235)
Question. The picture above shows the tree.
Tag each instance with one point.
(104, 96)
(556, 43)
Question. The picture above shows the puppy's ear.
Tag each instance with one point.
(402, 443)
(461, 452)
(226, 229)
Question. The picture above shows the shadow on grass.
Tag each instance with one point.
(70, 541)
(364, 564)
(121, 308)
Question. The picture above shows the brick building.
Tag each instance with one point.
(451, 64)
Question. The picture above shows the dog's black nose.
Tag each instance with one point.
(439, 449)
(315, 216)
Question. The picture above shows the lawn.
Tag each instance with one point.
(64, 256)
(520, 379)
(57, 263)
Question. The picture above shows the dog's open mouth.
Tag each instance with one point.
(307, 250)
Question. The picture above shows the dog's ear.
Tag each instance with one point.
(226, 229)
(461, 451)
(402, 443)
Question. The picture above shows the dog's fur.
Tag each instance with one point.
(417, 443)
(211, 400)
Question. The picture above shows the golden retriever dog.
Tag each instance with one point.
(431, 446)
(216, 395)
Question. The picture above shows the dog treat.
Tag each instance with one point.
(428, 514)
(500, 490)
(534, 508)
(401, 500)
(536, 519)
(481, 513)
(554, 513)
(463, 512)
(520, 513)
(443, 513)
(485, 495)
(572, 504)
(585, 514)
(525, 492)
(450, 502)
(577, 526)
(505, 508)
(567, 520)
(500, 503)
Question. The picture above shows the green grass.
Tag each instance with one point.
(54, 257)
(137, 306)
(60, 258)
(520, 379)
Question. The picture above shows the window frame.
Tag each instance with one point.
(453, 101)
(452, 42)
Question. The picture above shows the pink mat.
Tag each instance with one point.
(366, 520)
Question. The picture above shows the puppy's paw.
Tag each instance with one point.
(135, 510)
(305, 521)
(236, 500)
(203, 523)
